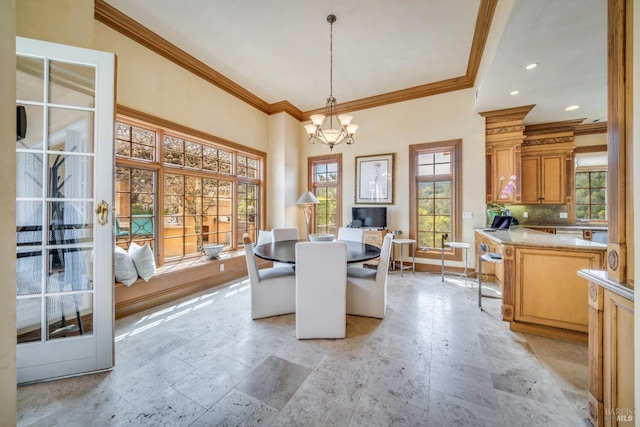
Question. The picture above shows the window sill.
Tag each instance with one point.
(186, 264)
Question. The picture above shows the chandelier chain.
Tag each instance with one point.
(331, 19)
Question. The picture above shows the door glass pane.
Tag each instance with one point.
(69, 315)
(70, 223)
(70, 130)
(30, 79)
(70, 269)
(29, 175)
(70, 176)
(33, 135)
(29, 272)
(72, 84)
(28, 319)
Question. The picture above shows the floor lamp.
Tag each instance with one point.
(307, 200)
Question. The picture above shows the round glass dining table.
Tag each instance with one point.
(285, 251)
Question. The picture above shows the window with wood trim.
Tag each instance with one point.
(590, 183)
(591, 195)
(435, 173)
(325, 181)
(200, 193)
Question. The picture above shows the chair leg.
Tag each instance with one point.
(480, 282)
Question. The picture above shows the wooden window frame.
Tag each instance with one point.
(455, 147)
(589, 170)
(163, 127)
(312, 185)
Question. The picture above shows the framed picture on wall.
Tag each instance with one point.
(374, 179)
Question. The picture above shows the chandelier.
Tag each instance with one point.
(331, 136)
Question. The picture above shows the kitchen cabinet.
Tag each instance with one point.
(504, 159)
(490, 268)
(543, 179)
(611, 353)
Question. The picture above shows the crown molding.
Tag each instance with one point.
(591, 149)
(553, 127)
(481, 34)
(286, 107)
(591, 128)
(416, 92)
(505, 114)
(118, 21)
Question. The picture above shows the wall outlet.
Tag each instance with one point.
(564, 215)
(525, 214)
(221, 267)
(467, 214)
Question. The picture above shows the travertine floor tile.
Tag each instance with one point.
(435, 360)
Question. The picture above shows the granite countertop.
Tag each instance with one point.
(522, 236)
(601, 278)
(567, 227)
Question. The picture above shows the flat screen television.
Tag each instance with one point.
(369, 217)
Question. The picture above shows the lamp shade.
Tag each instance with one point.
(307, 199)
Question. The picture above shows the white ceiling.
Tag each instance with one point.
(279, 50)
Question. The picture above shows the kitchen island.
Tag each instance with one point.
(541, 291)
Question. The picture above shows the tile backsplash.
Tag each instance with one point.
(539, 214)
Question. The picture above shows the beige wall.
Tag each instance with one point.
(283, 167)
(7, 225)
(152, 84)
(391, 129)
(61, 21)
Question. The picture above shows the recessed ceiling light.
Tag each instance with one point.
(531, 66)
(514, 92)
(572, 107)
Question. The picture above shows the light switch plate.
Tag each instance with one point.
(563, 215)
(525, 214)
(467, 214)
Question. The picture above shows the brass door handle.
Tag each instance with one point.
(103, 212)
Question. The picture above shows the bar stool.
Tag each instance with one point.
(401, 243)
(489, 257)
(445, 236)
(466, 247)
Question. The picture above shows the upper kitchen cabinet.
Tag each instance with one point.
(544, 178)
(504, 133)
(547, 163)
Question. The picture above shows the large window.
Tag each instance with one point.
(325, 181)
(435, 194)
(591, 195)
(591, 183)
(202, 192)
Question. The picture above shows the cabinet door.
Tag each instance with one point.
(504, 165)
(530, 186)
(552, 179)
(618, 359)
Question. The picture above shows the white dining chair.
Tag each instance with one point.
(280, 234)
(321, 282)
(264, 236)
(367, 289)
(351, 234)
(273, 290)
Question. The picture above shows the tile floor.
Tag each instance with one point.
(435, 360)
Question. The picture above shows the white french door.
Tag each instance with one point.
(64, 249)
